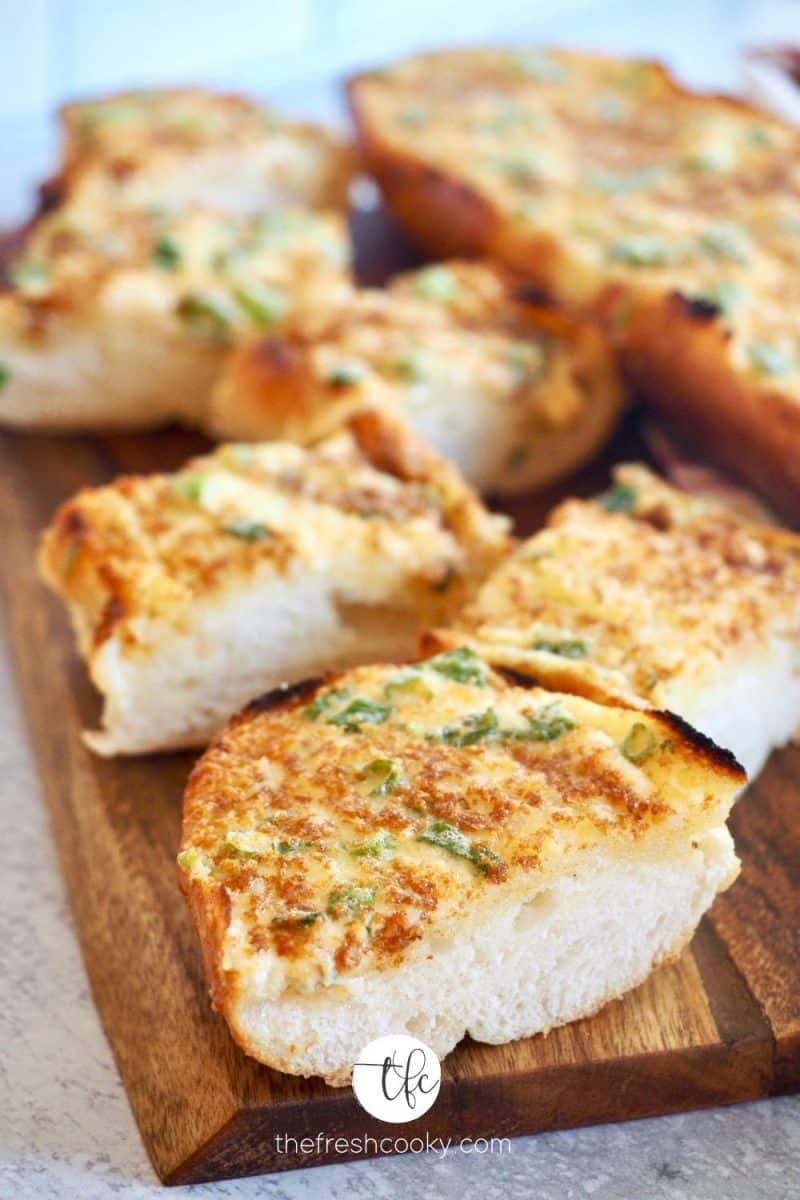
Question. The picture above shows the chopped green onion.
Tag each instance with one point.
(189, 486)
(436, 283)
(5, 375)
(322, 703)
(346, 374)
(462, 664)
(772, 360)
(446, 837)
(380, 845)
(620, 498)
(381, 775)
(639, 744)
(167, 254)
(725, 240)
(474, 728)
(211, 314)
(249, 531)
(360, 712)
(549, 723)
(563, 647)
(643, 250)
(264, 305)
(348, 901)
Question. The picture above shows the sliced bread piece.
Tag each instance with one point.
(257, 565)
(182, 147)
(434, 850)
(516, 394)
(671, 214)
(652, 596)
(122, 320)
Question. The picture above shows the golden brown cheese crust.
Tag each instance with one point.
(408, 336)
(110, 141)
(621, 596)
(335, 825)
(615, 188)
(210, 275)
(147, 547)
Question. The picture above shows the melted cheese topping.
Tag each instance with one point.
(638, 180)
(348, 821)
(125, 148)
(445, 323)
(636, 590)
(153, 546)
(213, 275)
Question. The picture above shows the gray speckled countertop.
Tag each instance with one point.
(66, 1129)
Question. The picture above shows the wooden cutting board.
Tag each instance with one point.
(720, 1025)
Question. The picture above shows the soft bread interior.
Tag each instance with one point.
(124, 372)
(537, 961)
(181, 687)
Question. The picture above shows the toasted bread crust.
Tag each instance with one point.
(117, 147)
(454, 346)
(730, 165)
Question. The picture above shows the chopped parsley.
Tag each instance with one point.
(248, 531)
(462, 664)
(360, 712)
(563, 647)
(639, 743)
(349, 901)
(446, 837)
(620, 498)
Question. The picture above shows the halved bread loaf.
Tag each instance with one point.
(649, 596)
(123, 319)
(514, 393)
(258, 565)
(670, 214)
(434, 850)
(178, 148)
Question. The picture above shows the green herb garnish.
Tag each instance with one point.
(167, 254)
(623, 183)
(29, 275)
(296, 920)
(211, 314)
(5, 375)
(563, 647)
(770, 359)
(436, 283)
(323, 702)
(264, 305)
(643, 250)
(474, 728)
(549, 723)
(346, 374)
(462, 664)
(639, 744)
(446, 837)
(360, 712)
(348, 901)
(382, 776)
(726, 241)
(620, 498)
(380, 845)
(248, 531)
(189, 486)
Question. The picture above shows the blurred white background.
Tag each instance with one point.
(291, 50)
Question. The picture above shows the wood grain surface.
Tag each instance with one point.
(720, 1025)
